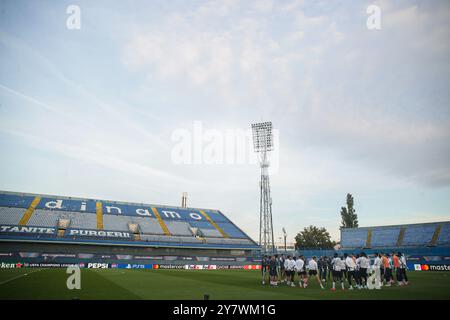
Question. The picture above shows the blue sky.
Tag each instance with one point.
(91, 112)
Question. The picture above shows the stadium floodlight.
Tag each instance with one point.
(285, 236)
(262, 136)
(263, 143)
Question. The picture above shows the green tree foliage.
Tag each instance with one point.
(314, 237)
(348, 215)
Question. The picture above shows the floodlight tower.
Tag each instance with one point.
(285, 236)
(263, 143)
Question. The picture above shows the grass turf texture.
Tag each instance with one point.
(193, 284)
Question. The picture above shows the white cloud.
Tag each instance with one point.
(314, 70)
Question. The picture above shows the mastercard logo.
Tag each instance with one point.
(425, 267)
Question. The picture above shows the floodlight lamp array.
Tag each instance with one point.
(262, 136)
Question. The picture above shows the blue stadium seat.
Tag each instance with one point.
(48, 218)
(148, 225)
(353, 238)
(385, 237)
(213, 233)
(11, 216)
(231, 230)
(116, 222)
(419, 235)
(179, 228)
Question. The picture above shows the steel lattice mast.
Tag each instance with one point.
(263, 143)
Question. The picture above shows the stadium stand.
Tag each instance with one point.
(354, 238)
(419, 235)
(42, 223)
(422, 244)
(385, 237)
(50, 218)
(401, 236)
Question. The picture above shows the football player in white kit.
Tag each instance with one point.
(312, 266)
(364, 265)
(300, 268)
(377, 267)
(287, 273)
(351, 266)
(338, 265)
(290, 270)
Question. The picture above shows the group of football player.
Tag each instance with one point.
(384, 269)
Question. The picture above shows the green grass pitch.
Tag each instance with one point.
(193, 284)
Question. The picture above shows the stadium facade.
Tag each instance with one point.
(45, 230)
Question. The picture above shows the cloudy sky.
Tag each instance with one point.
(103, 110)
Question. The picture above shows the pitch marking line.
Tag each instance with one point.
(19, 276)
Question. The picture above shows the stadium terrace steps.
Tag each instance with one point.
(369, 239)
(99, 212)
(436, 235)
(214, 224)
(161, 222)
(27, 215)
(401, 236)
(94, 220)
